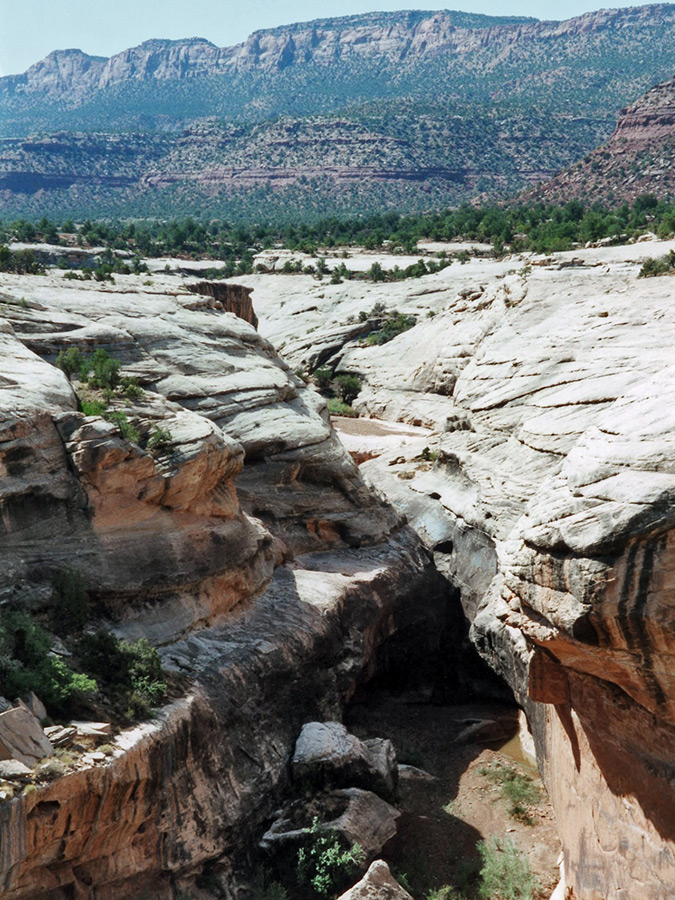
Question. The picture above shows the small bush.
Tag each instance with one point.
(447, 892)
(347, 387)
(105, 370)
(131, 388)
(506, 872)
(93, 407)
(127, 430)
(518, 789)
(338, 408)
(322, 377)
(25, 665)
(130, 673)
(325, 861)
(50, 770)
(159, 437)
(70, 361)
(652, 267)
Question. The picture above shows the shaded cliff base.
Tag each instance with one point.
(444, 817)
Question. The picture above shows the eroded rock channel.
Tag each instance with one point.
(531, 499)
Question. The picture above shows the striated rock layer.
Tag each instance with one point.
(636, 160)
(547, 491)
(245, 546)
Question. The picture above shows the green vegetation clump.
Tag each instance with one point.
(506, 872)
(130, 674)
(347, 387)
(322, 377)
(394, 324)
(118, 418)
(105, 370)
(338, 408)
(517, 789)
(326, 862)
(25, 665)
(159, 437)
(21, 262)
(70, 361)
(93, 407)
(651, 267)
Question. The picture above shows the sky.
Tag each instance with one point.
(30, 29)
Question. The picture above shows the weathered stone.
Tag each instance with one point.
(21, 737)
(13, 769)
(35, 706)
(326, 754)
(61, 735)
(377, 884)
(97, 730)
(364, 819)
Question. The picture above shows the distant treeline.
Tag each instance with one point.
(540, 227)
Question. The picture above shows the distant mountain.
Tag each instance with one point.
(415, 109)
(639, 157)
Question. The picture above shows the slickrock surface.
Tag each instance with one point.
(548, 495)
(248, 549)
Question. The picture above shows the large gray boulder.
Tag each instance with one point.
(326, 754)
(360, 817)
(22, 738)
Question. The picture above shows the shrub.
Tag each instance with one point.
(70, 607)
(322, 377)
(131, 388)
(26, 666)
(395, 324)
(127, 430)
(70, 361)
(505, 872)
(652, 267)
(159, 437)
(338, 408)
(325, 861)
(93, 407)
(105, 370)
(131, 673)
(347, 387)
(50, 770)
(518, 789)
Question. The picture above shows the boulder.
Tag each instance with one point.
(34, 705)
(22, 738)
(12, 770)
(377, 884)
(361, 817)
(327, 755)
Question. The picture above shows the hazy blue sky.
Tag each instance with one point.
(30, 29)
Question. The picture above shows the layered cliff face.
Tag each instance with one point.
(245, 546)
(637, 159)
(546, 490)
(332, 115)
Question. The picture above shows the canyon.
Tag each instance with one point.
(521, 434)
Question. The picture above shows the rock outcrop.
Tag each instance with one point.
(244, 544)
(548, 496)
(637, 159)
